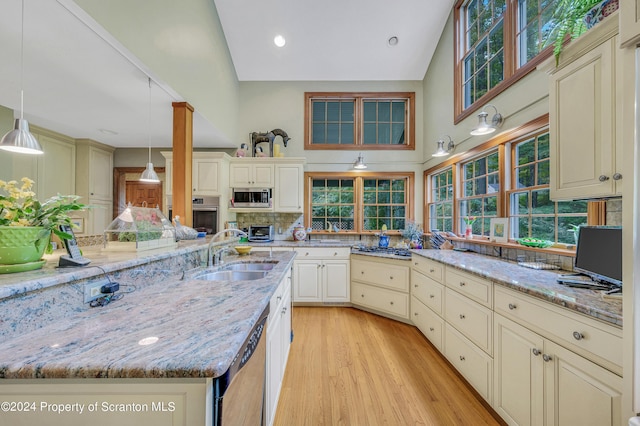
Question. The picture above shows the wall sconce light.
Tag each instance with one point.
(441, 151)
(359, 163)
(484, 128)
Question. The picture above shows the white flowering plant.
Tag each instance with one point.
(20, 207)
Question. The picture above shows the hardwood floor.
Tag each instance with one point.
(349, 367)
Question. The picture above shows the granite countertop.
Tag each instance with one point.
(305, 243)
(199, 326)
(537, 283)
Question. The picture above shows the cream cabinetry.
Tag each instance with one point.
(427, 299)
(209, 173)
(321, 275)
(289, 189)
(381, 285)
(585, 134)
(538, 382)
(251, 173)
(278, 345)
(94, 183)
(629, 23)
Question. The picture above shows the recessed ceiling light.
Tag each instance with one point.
(279, 41)
(392, 41)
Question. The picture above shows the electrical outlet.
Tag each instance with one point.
(92, 289)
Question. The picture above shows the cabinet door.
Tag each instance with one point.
(240, 175)
(100, 216)
(336, 281)
(629, 22)
(56, 169)
(205, 177)
(518, 374)
(307, 284)
(582, 126)
(430, 324)
(289, 190)
(285, 325)
(274, 367)
(579, 392)
(263, 175)
(100, 174)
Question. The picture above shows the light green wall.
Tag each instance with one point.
(521, 103)
(162, 34)
(269, 105)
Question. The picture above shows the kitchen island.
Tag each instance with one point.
(150, 357)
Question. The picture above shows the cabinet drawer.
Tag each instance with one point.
(428, 291)
(471, 286)
(475, 365)
(381, 274)
(276, 300)
(430, 324)
(323, 252)
(471, 319)
(593, 340)
(430, 268)
(381, 299)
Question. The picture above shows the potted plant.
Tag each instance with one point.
(574, 17)
(26, 224)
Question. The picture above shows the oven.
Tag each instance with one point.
(204, 211)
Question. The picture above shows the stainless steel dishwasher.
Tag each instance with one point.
(238, 395)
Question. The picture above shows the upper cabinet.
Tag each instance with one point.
(209, 175)
(629, 23)
(585, 135)
(251, 173)
(289, 192)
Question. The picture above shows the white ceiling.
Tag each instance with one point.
(345, 40)
(79, 81)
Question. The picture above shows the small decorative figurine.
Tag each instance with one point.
(242, 151)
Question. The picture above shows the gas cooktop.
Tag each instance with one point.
(384, 250)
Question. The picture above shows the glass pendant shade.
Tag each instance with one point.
(20, 140)
(149, 175)
(441, 151)
(483, 127)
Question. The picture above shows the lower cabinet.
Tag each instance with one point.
(321, 275)
(540, 382)
(430, 324)
(473, 363)
(381, 285)
(278, 345)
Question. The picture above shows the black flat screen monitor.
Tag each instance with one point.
(599, 253)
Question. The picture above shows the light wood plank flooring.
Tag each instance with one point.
(349, 367)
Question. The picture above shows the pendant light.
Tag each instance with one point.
(149, 174)
(359, 164)
(19, 139)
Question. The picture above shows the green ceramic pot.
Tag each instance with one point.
(21, 244)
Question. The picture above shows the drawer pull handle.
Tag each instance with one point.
(415, 314)
(577, 335)
(462, 283)
(512, 306)
(432, 270)
(391, 303)
(461, 358)
(431, 329)
(335, 253)
(462, 316)
(391, 277)
(431, 296)
(306, 254)
(415, 285)
(546, 357)
(536, 351)
(279, 297)
(415, 263)
(362, 272)
(362, 295)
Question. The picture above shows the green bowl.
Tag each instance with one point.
(535, 242)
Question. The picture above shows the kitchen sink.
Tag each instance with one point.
(250, 266)
(231, 275)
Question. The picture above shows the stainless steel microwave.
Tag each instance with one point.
(251, 197)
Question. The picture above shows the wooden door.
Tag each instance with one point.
(143, 194)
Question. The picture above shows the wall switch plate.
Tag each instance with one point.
(92, 289)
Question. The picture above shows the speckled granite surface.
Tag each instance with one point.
(200, 325)
(537, 283)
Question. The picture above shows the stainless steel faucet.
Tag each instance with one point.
(219, 252)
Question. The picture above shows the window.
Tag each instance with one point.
(507, 176)
(480, 190)
(441, 195)
(531, 211)
(496, 43)
(360, 202)
(357, 120)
